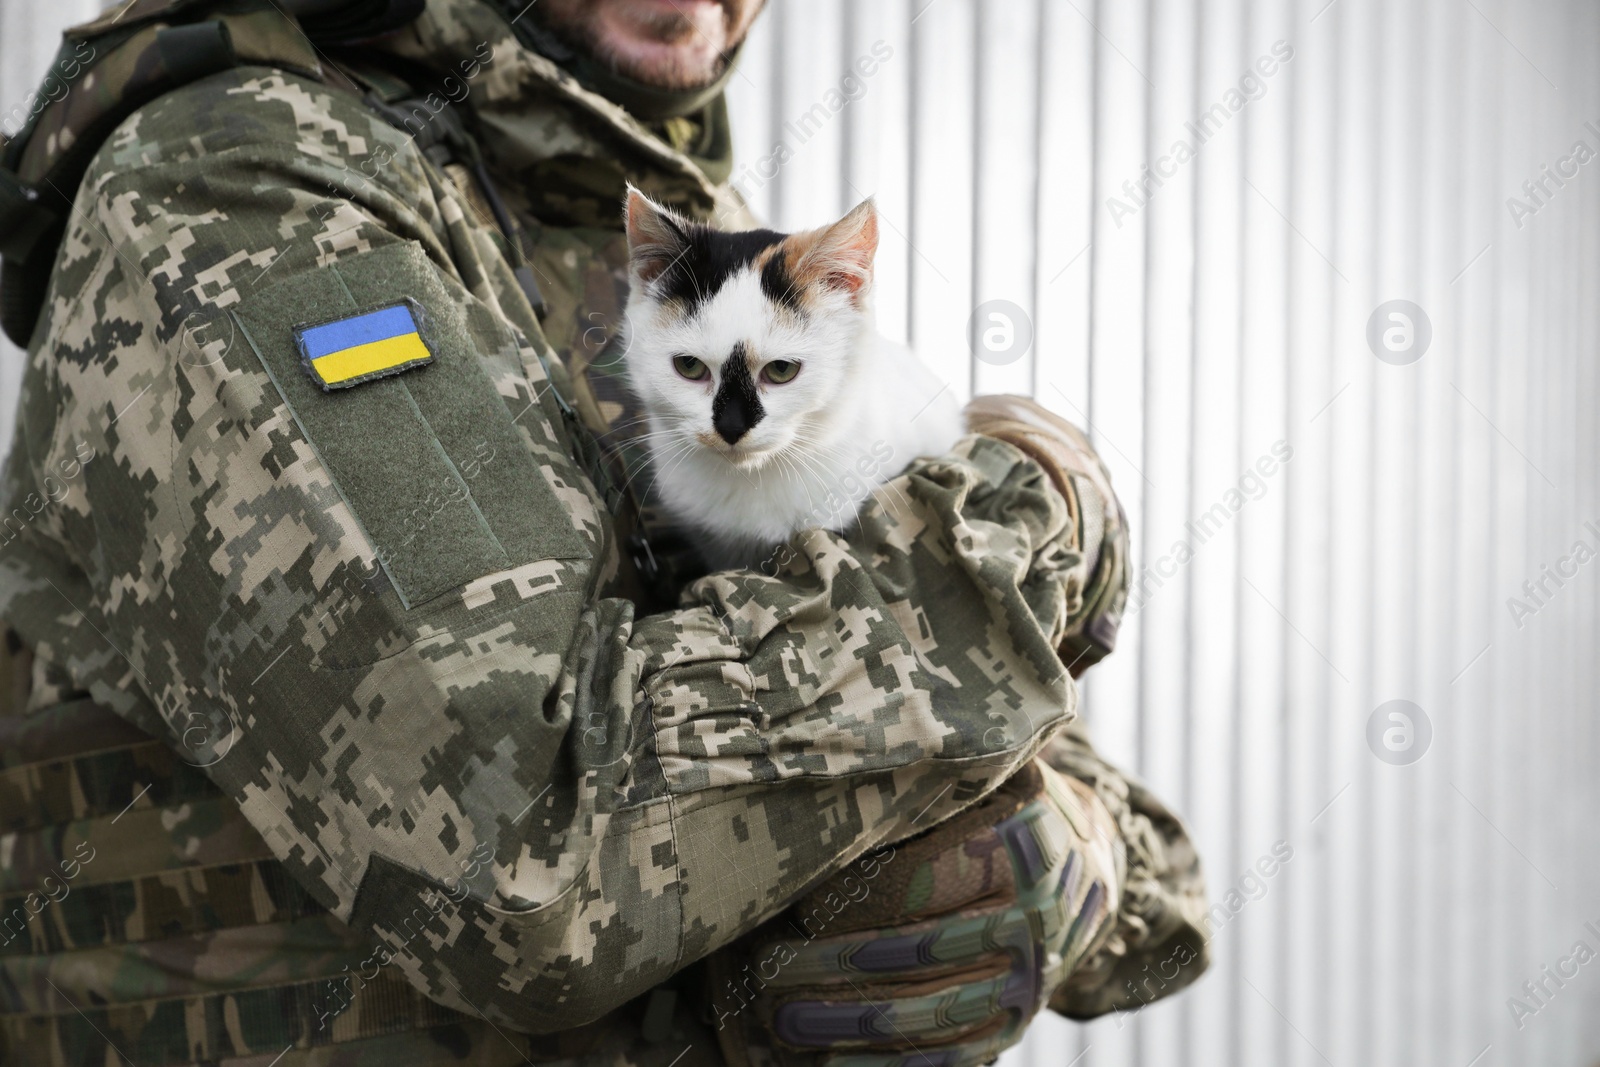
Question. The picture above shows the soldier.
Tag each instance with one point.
(334, 732)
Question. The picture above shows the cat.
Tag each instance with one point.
(772, 404)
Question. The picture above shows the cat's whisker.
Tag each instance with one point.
(824, 518)
(849, 454)
(679, 458)
(892, 489)
(823, 449)
(788, 463)
(814, 467)
(644, 492)
(662, 435)
(625, 424)
(640, 469)
(653, 462)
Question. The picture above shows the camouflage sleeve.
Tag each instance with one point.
(1158, 943)
(1098, 529)
(372, 614)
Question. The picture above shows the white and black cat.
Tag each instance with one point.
(773, 406)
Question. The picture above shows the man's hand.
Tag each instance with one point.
(939, 950)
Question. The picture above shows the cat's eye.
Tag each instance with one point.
(780, 371)
(691, 368)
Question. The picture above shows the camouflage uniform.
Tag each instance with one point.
(336, 736)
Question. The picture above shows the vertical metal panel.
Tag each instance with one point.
(1437, 601)
(1005, 169)
(1585, 20)
(1314, 385)
(1263, 634)
(940, 233)
(1586, 752)
(1215, 589)
(755, 112)
(1535, 662)
(1390, 273)
(878, 144)
(1505, 408)
(1161, 594)
(808, 95)
(1350, 625)
(1475, 581)
(1067, 206)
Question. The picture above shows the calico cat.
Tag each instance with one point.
(772, 404)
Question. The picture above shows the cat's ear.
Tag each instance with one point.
(656, 237)
(840, 256)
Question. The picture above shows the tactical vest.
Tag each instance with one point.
(191, 891)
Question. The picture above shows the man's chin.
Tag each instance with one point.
(664, 66)
(668, 45)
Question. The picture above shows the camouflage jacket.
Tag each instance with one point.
(375, 632)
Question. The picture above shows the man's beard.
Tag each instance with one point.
(681, 60)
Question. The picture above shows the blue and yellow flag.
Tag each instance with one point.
(373, 344)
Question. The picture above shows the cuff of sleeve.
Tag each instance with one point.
(1095, 514)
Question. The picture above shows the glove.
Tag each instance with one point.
(1093, 511)
(936, 951)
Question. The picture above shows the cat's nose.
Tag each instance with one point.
(737, 405)
(731, 423)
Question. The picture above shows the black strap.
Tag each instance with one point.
(24, 218)
(444, 139)
(196, 51)
(340, 22)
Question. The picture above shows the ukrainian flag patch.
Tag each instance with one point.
(364, 346)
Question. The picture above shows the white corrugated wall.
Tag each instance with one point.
(1194, 323)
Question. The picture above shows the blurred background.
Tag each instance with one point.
(1320, 278)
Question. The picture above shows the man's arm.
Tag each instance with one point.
(372, 615)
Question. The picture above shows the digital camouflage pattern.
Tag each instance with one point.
(404, 724)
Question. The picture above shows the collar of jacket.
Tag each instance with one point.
(560, 148)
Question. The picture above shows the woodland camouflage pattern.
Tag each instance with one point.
(416, 763)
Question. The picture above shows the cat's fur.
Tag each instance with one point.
(743, 461)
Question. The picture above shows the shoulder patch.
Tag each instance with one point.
(367, 345)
